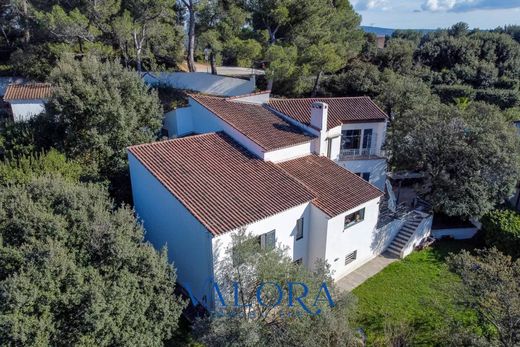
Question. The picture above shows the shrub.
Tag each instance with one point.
(502, 230)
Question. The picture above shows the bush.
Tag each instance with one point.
(503, 98)
(448, 93)
(26, 167)
(502, 230)
(75, 270)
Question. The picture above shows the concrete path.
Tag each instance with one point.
(355, 278)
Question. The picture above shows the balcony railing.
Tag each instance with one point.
(359, 153)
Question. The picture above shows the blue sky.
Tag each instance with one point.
(432, 14)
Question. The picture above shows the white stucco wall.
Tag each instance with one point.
(318, 236)
(288, 153)
(361, 237)
(456, 233)
(25, 109)
(423, 231)
(167, 222)
(257, 98)
(285, 225)
(376, 167)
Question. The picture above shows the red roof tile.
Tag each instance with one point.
(28, 91)
(219, 182)
(341, 110)
(260, 125)
(337, 190)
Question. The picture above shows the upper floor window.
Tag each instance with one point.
(354, 218)
(268, 240)
(364, 175)
(351, 139)
(299, 229)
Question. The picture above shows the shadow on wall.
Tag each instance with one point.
(382, 236)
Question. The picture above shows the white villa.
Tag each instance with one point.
(27, 99)
(307, 174)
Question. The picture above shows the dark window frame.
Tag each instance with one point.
(299, 229)
(354, 218)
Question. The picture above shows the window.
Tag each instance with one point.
(354, 218)
(329, 148)
(349, 258)
(299, 229)
(351, 139)
(367, 139)
(364, 175)
(268, 240)
(164, 132)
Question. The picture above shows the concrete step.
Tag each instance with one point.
(406, 232)
(399, 242)
(394, 251)
(402, 238)
(395, 248)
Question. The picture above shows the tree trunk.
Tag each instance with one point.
(26, 32)
(316, 84)
(139, 48)
(272, 41)
(191, 37)
(213, 63)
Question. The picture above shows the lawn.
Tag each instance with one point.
(419, 292)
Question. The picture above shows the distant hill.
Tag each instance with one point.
(387, 31)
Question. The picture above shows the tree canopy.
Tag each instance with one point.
(76, 271)
(97, 110)
(492, 287)
(251, 323)
(470, 157)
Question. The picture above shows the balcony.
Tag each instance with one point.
(361, 153)
(358, 145)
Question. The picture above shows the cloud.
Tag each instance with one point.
(364, 5)
(468, 5)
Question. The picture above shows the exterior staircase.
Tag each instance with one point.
(405, 233)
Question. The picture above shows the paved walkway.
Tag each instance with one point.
(355, 278)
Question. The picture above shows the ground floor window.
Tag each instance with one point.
(354, 218)
(268, 240)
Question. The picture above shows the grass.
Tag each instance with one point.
(419, 291)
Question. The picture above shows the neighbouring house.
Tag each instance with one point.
(27, 100)
(203, 82)
(277, 168)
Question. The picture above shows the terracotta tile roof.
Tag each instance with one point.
(337, 190)
(28, 91)
(219, 182)
(260, 125)
(341, 110)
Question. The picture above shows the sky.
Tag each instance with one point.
(433, 14)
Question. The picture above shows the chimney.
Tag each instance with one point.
(319, 115)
